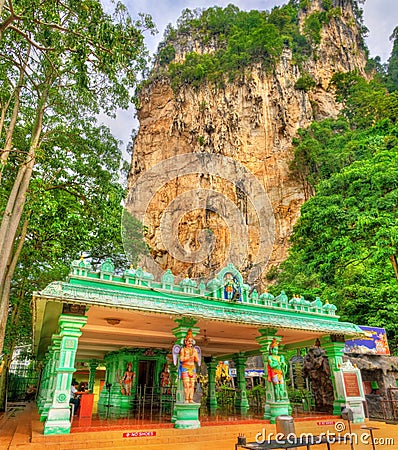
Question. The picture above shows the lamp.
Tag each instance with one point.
(204, 340)
(113, 321)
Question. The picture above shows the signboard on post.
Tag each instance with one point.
(349, 387)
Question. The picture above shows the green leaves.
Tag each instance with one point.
(239, 39)
(61, 63)
(345, 244)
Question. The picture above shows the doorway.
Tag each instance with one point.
(146, 373)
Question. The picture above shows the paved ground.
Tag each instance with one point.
(20, 429)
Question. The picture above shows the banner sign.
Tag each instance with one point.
(374, 343)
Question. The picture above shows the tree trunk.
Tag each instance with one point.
(393, 259)
(8, 357)
(5, 288)
(3, 382)
(11, 218)
(2, 5)
(15, 206)
(15, 111)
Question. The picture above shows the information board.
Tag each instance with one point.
(351, 384)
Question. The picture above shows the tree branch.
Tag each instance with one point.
(394, 262)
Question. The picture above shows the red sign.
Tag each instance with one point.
(351, 384)
(326, 422)
(139, 434)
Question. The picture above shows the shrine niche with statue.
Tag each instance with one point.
(128, 324)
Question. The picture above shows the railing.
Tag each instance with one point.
(390, 405)
(390, 410)
(154, 401)
(20, 382)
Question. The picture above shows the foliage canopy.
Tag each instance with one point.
(345, 244)
(236, 41)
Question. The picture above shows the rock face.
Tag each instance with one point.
(251, 121)
(317, 369)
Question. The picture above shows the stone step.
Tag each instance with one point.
(223, 434)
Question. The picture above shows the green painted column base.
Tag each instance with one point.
(242, 406)
(187, 416)
(212, 411)
(274, 409)
(357, 409)
(58, 421)
(212, 404)
(338, 405)
(44, 411)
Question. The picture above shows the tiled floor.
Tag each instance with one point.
(22, 430)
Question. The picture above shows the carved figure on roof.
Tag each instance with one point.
(189, 356)
(276, 368)
(231, 287)
(107, 266)
(267, 295)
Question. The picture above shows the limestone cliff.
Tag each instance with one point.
(252, 121)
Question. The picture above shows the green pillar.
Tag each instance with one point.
(54, 351)
(241, 403)
(44, 382)
(173, 375)
(211, 385)
(273, 407)
(119, 404)
(104, 397)
(333, 346)
(58, 418)
(91, 378)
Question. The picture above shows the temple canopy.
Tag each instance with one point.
(133, 310)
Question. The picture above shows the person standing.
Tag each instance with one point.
(75, 397)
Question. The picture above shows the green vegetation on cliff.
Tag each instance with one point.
(235, 40)
(345, 244)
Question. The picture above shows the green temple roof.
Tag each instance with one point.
(226, 299)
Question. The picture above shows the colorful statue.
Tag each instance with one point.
(127, 379)
(222, 374)
(165, 377)
(189, 356)
(231, 287)
(276, 371)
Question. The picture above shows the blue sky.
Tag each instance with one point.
(380, 17)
